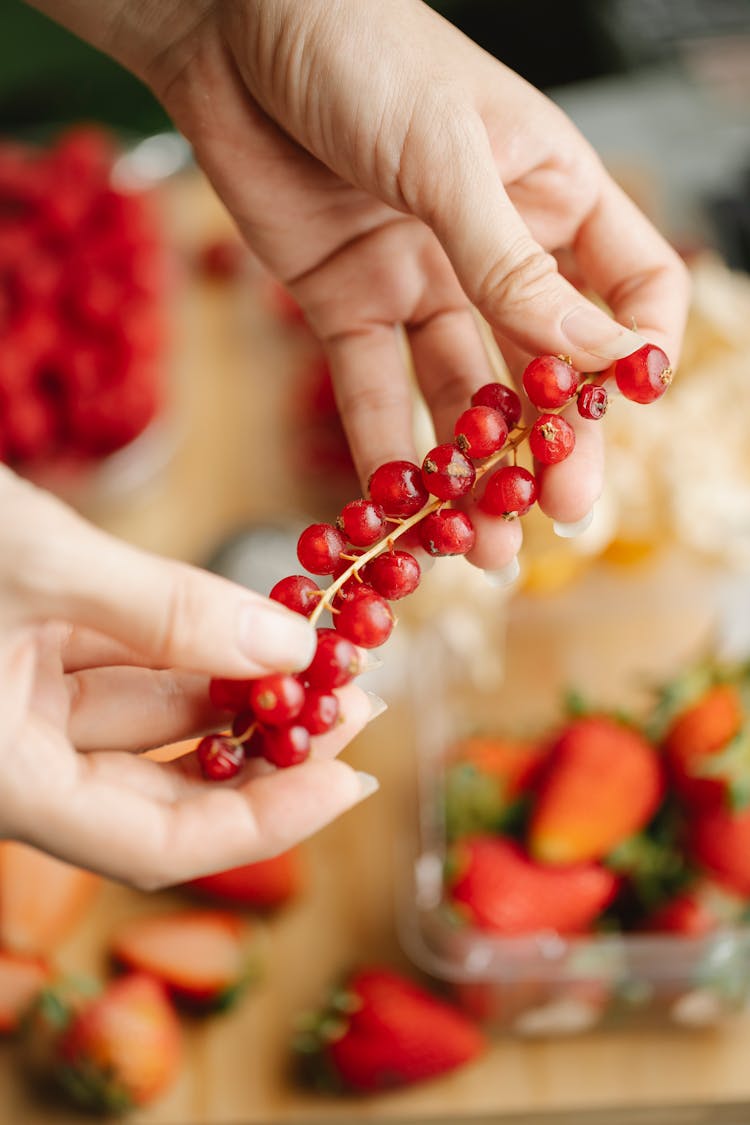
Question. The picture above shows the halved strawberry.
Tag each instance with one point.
(21, 981)
(261, 885)
(204, 958)
(602, 783)
(381, 1030)
(496, 887)
(119, 1050)
(41, 898)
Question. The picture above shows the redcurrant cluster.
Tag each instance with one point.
(276, 716)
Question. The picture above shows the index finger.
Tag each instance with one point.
(627, 262)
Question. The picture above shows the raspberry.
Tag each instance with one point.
(397, 487)
(645, 375)
(447, 532)
(551, 439)
(481, 431)
(447, 472)
(510, 492)
(550, 381)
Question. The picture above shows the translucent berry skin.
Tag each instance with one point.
(447, 533)
(319, 548)
(229, 695)
(366, 620)
(447, 472)
(397, 487)
(336, 662)
(363, 522)
(593, 401)
(276, 699)
(286, 746)
(550, 382)
(501, 398)
(551, 439)
(298, 593)
(219, 758)
(393, 575)
(481, 431)
(645, 375)
(510, 492)
(320, 712)
(350, 589)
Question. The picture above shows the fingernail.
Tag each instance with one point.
(573, 530)
(595, 332)
(367, 784)
(275, 636)
(368, 662)
(507, 575)
(377, 705)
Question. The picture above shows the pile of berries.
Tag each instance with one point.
(275, 716)
(82, 285)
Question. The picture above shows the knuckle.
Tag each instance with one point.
(520, 277)
(182, 610)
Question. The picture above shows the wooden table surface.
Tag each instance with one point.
(229, 468)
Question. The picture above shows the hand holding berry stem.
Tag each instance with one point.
(106, 651)
(391, 173)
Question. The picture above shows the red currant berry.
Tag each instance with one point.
(592, 401)
(481, 431)
(366, 620)
(550, 381)
(320, 712)
(319, 548)
(286, 746)
(229, 695)
(510, 492)
(447, 532)
(219, 757)
(645, 375)
(398, 489)
(277, 699)
(336, 662)
(298, 593)
(350, 589)
(447, 472)
(393, 575)
(242, 724)
(501, 398)
(362, 522)
(551, 439)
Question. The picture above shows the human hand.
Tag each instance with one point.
(105, 651)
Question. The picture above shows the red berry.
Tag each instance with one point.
(447, 532)
(447, 472)
(397, 487)
(501, 398)
(550, 381)
(592, 401)
(645, 375)
(320, 711)
(277, 699)
(366, 619)
(362, 522)
(245, 727)
(510, 492)
(319, 548)
(551, 439)
(219, 757)
(350, 589)
(286, 746)
(393, 574)
(229, 695)
(298, 593)
(481, 431)
(336, 661)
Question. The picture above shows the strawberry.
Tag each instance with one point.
(268, 883)
(118, 1050)
(697, 911)
(697, 743)
(602, 783)
(21, 981)
(382, 1030)
(486, 781)
(203, 958)
(494, 885)
(41, 898)
(720, 843)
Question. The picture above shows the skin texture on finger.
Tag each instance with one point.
(569, 490)
(17, 666)
(82, 648)
(135, 709)
(498, 541)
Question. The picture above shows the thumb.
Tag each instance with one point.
(513, 282)
(54, 565)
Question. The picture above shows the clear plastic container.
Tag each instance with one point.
(613, 635)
